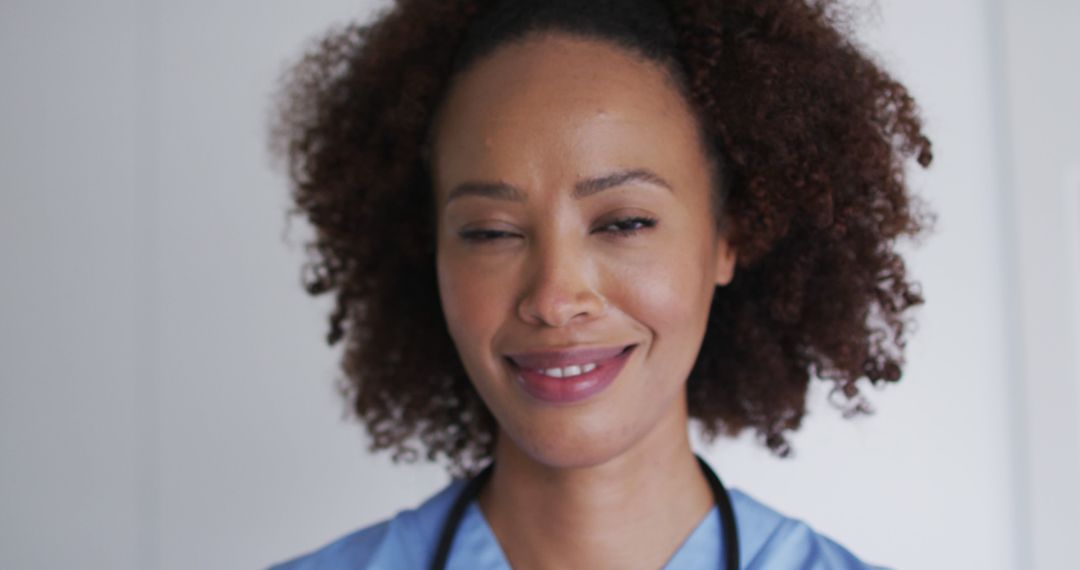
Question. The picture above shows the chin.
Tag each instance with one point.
(558, 449)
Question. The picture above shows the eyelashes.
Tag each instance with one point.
(621, 228)
(631, 226)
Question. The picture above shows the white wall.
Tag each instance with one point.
(1041, 51)
(71, 297)
(166, 399)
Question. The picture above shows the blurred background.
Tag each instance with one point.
(166, 397)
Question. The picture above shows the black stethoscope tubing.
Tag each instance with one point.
(472, 488)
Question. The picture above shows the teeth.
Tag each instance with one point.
(568, 371)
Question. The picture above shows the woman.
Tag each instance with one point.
(559, 230)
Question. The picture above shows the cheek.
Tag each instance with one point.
(665, 293)
(469, 302)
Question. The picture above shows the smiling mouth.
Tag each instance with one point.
(566, 362)
(589, 372)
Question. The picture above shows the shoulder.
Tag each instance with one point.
(770, 539)
(406, 540)
(767, 539)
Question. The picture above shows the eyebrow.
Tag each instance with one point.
(587, 187)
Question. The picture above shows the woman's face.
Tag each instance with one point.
(573, 212)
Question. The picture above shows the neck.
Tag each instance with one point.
(632, 511)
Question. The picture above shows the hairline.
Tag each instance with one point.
(674, 76)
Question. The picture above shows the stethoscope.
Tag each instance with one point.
(728, 532)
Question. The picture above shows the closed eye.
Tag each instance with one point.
(623, 227)
(626, 227)
(484, 235)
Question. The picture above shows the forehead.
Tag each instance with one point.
(559, 101)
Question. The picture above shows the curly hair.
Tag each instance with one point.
(813, 136)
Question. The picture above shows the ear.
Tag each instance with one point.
(725, 261)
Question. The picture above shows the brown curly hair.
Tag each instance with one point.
(812, 135)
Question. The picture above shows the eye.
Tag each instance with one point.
(626, 227)
(622, 227)
(481, 236)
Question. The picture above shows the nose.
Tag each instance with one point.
(561, 287)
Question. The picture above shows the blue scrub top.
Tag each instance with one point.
(767, 540)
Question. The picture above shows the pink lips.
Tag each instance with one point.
(609, 362)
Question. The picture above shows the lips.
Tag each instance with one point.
(537, 379)
(540, 360)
